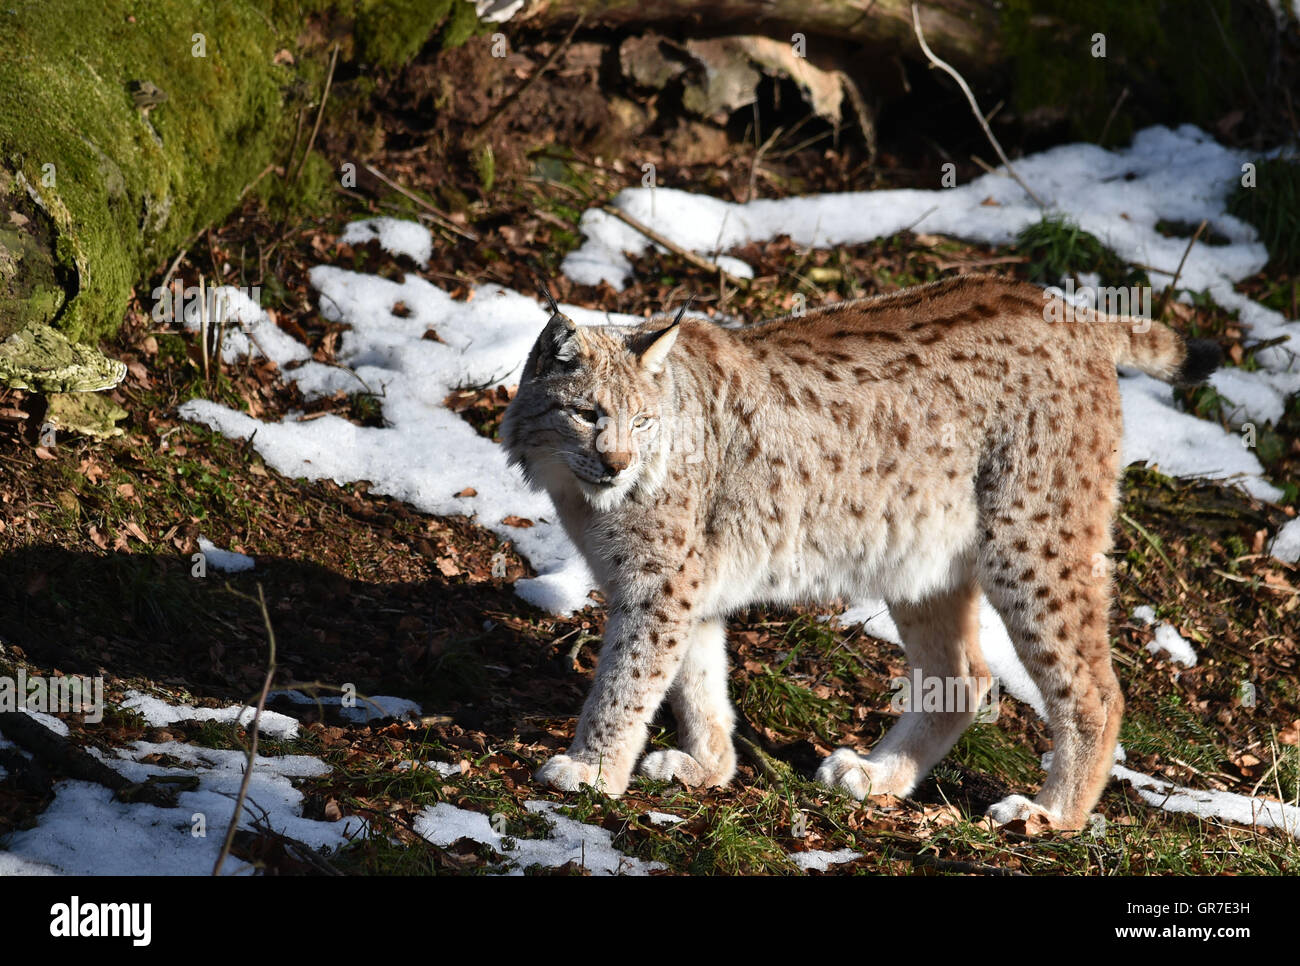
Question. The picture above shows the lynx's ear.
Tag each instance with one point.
(558, 345)
(657, 345)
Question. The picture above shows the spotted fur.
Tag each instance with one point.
(920, 447)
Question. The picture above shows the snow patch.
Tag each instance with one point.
(1286, 545)
(395, 236)
(367, 708)
(226, 561)
(1169, 641)
(160, 714)
(1228, 806)
(142, 839)
(662, 818)
(819, 860)
(568, 841)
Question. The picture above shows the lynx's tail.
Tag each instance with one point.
(1159, 351)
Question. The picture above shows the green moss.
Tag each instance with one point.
(1057, 248)
(485, 166)
(130, 185)
(391, 32)
(311, 194)
(1178, 64)
(462, 25)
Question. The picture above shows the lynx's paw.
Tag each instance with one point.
(1017, 808)
(567, 773)
(849, 772)
(674, 765)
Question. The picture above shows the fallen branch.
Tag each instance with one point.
(1169, 290)
(866, 123)
(531, 78)
(974, 105)
(50, 747)
(685, 254)
(1155, 545)
(252, 733)
(438, 217)
(961, 866)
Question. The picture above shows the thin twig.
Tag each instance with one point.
(320, 114)
(689, 256)
(1111, 116)
(256, 181)
(442, 220)
(866, 123)
(761, 760)
(252, 731)
(1155, 545)
(531, 78)
(203, 326)
(974, 105)
(1169, 291)
(753, 169)
(171, 269)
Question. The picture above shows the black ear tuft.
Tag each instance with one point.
(550, 299)
(557, 347)
(1203, 357)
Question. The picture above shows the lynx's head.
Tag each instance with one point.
(591, 408)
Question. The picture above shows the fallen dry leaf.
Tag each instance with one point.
(1290, 735)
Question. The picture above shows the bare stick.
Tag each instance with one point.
(320, 113)
(689, 256)
(252, 732)
(974, 105)
(1168, 292)
(171, 269)
(203, 326)
(442, 220)
(865, 122)
(75, 762)
(528, 81)
(1111, 116)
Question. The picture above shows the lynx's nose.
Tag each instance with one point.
(616, 463)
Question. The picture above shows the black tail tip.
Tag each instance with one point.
(1203, 357)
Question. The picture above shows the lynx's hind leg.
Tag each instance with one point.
(1045, 571)
(705, 719)
(941, 637)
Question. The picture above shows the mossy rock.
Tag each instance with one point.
(128, 127)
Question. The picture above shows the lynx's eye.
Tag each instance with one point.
(642, 421)
(584, 414)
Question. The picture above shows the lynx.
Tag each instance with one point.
(920, 447)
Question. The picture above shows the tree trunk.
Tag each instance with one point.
(126, 128)
(965, 31)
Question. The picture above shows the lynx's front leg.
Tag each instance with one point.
(704, 716)
(643, 650)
